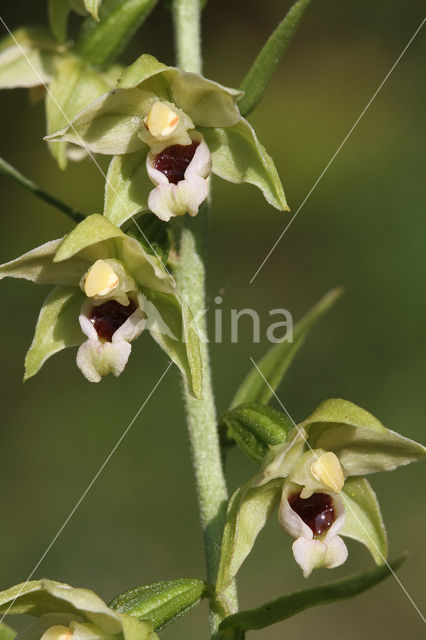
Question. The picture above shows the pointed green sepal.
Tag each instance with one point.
(362, 444)
(256, 81)
(127, 187)
(172, 326)
(74, 86)
(363, 520)
(161, 602)
(92, 7)
(55, 603)
(277, 360)
(38, 266)
(289, 605)
(57, 327)
(248, 510)
(238, 156)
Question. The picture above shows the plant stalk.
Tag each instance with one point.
(190, 277)
(24, 182)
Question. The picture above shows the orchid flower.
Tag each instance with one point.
(168, 130)
(65, 613)
(316, 478)
(108, 290)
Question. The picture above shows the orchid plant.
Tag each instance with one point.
(133, 267)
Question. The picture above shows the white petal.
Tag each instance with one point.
(201, 163)
(339, 512)
(170, 200)
(132, 328)
(336, 554)
(96, 359)
(309, 554)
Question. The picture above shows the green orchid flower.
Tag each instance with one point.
(66, 613)
(108, 290)
(316, 479)
(33, 58)
(168, 130)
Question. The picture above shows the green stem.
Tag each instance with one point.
(187, 20)
(201, 414)
(24, 182)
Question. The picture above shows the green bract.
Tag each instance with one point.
(108, 289)
(161, 602)
(64, 612)
(323, 456)
(153, 109)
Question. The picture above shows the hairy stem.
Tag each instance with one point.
(190, 276)
(187, 19)
(24, 182)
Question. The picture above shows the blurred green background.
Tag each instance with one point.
(363, 227)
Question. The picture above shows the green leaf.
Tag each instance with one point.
(161, 602)
(363, 520)
(362, 444)
(238, 156)
(100, 43)
(38, 266)
(28, 58)
(153, 234)
(277, 360)
(248, 510)
(58, 18)
(255, 428)
(6, 632)
(74, 87)
(255, 83)
(172, 326)
(289, 605)
(108, 125)
(127, 187)
(57, 327)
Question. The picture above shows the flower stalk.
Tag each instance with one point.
(33, 188)
(190, 277)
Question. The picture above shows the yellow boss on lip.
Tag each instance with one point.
(327, 469)
(57, 632)
(161, 121)
(100, 279)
